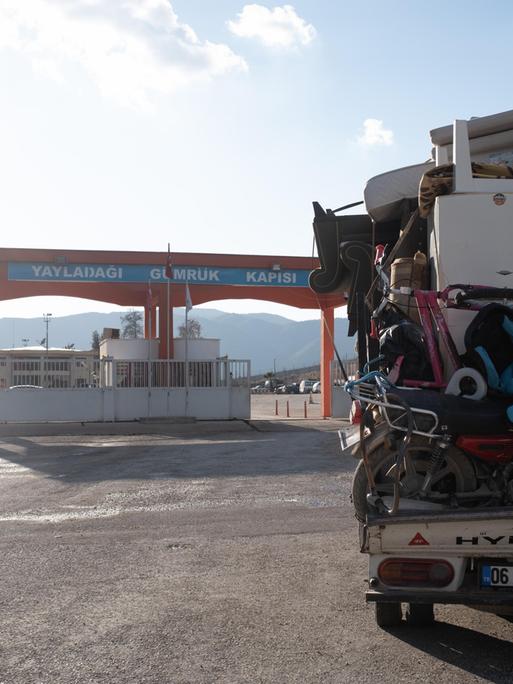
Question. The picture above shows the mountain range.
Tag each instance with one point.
(268, 340)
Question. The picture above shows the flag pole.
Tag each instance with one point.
(149, 305)
(186, 343)
(167, 313)
(149, 297)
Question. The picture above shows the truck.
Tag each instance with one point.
(453, 215)
(422, 556)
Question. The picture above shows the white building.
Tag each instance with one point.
(53, 368)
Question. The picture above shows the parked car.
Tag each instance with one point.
(316, 388)
(305, 386)
(25, 387)
(293, 388)
(272, 384)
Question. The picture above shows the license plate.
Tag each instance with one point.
(497, 576)
(349, 437)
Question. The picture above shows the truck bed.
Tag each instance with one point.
(463, 532)
(468, 539)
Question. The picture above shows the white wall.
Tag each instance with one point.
(130, 349)
(340, 403)
(52, 404)
(197, 350)
(123, 404)
(140, 349)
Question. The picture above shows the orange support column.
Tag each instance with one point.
(165, 320)
(150, 317)
(147, 318)
(153, 320)
(327, 353)
(162, 331)
(171, 345)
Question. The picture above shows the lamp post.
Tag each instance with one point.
(46, 318)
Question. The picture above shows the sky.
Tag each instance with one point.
(128, 124)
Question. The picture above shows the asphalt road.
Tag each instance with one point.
(204, 556)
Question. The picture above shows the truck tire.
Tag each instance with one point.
(388, 615)
(420, 614)
(458, 468)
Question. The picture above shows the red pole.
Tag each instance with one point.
(306, 413)
(276, 408)
(288, 411)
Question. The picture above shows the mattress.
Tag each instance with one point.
(478, 127)
(491, 141)
(383, 194)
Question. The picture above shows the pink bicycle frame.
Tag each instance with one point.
(431, 316)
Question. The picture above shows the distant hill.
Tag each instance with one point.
(266, 339)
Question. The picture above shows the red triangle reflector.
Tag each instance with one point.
(418, 540)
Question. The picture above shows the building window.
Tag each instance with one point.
(25, 365)
(26, 379)
(58, 382)
(58, 365)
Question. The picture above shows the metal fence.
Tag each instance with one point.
(175, 374)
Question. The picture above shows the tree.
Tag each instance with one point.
(193, 331)
(131, 324)
(271, 381)
(95, 342)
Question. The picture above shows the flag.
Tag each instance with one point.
(188, 300)
(169, 266)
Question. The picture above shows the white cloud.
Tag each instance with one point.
(129, 48)
(279, 27)
(374, 133)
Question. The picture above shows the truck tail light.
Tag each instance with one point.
(355, 415)
(417, 572)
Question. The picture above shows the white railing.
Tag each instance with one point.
(174, 374)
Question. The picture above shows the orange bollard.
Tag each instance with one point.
(288, 410)
(306, 410)
(276, 409)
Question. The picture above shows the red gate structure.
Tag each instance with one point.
(139, 279)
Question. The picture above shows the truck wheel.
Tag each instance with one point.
(388, 615)
(420, 614)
